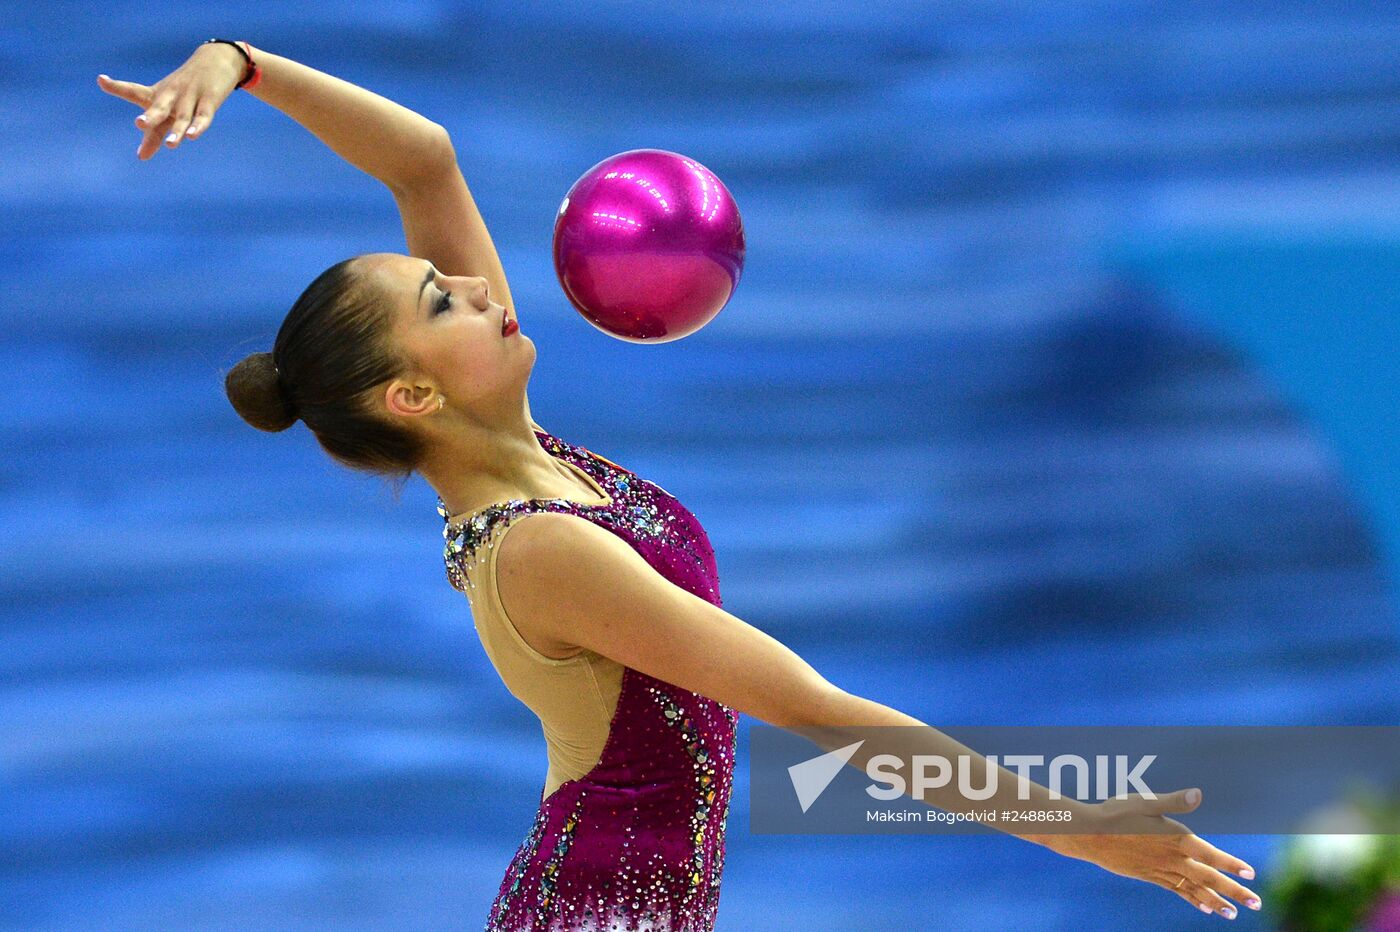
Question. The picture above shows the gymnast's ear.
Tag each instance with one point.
(411, 399)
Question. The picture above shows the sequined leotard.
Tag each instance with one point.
(636, 843)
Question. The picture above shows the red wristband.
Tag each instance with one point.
(254, 73)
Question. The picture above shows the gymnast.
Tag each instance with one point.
(594, 591)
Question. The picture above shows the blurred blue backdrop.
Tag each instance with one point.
(1059, 389)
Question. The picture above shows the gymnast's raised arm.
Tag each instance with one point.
(565, 581)
(410, 154)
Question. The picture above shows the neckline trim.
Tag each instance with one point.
(602, 500)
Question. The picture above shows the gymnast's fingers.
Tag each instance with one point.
(163, 104)
(203, 116)
(138, 94)
(1206, 853)
(1187, 890)
(1224, 886)
(150, 139)
(177, 129)
(1203, 898)
(164, 110)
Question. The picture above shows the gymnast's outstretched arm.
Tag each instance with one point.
(563, 580)
(410, 154)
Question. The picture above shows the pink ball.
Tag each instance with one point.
(648, 245)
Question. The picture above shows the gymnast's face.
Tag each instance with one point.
(449, 328)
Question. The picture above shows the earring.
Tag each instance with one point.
(441, 401)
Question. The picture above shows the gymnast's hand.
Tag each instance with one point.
(1164, 856)
(181, 105)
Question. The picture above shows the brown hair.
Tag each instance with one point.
(330, 353)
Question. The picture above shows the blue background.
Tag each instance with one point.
(1059, 388)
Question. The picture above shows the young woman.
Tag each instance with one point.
(594, 591)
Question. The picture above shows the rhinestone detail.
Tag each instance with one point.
(638, 842)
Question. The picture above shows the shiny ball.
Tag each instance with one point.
(648, 245)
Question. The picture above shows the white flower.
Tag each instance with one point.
(1333, 842)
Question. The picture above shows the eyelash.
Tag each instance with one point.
(444, 302)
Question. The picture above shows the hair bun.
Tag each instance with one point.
(256, 394)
